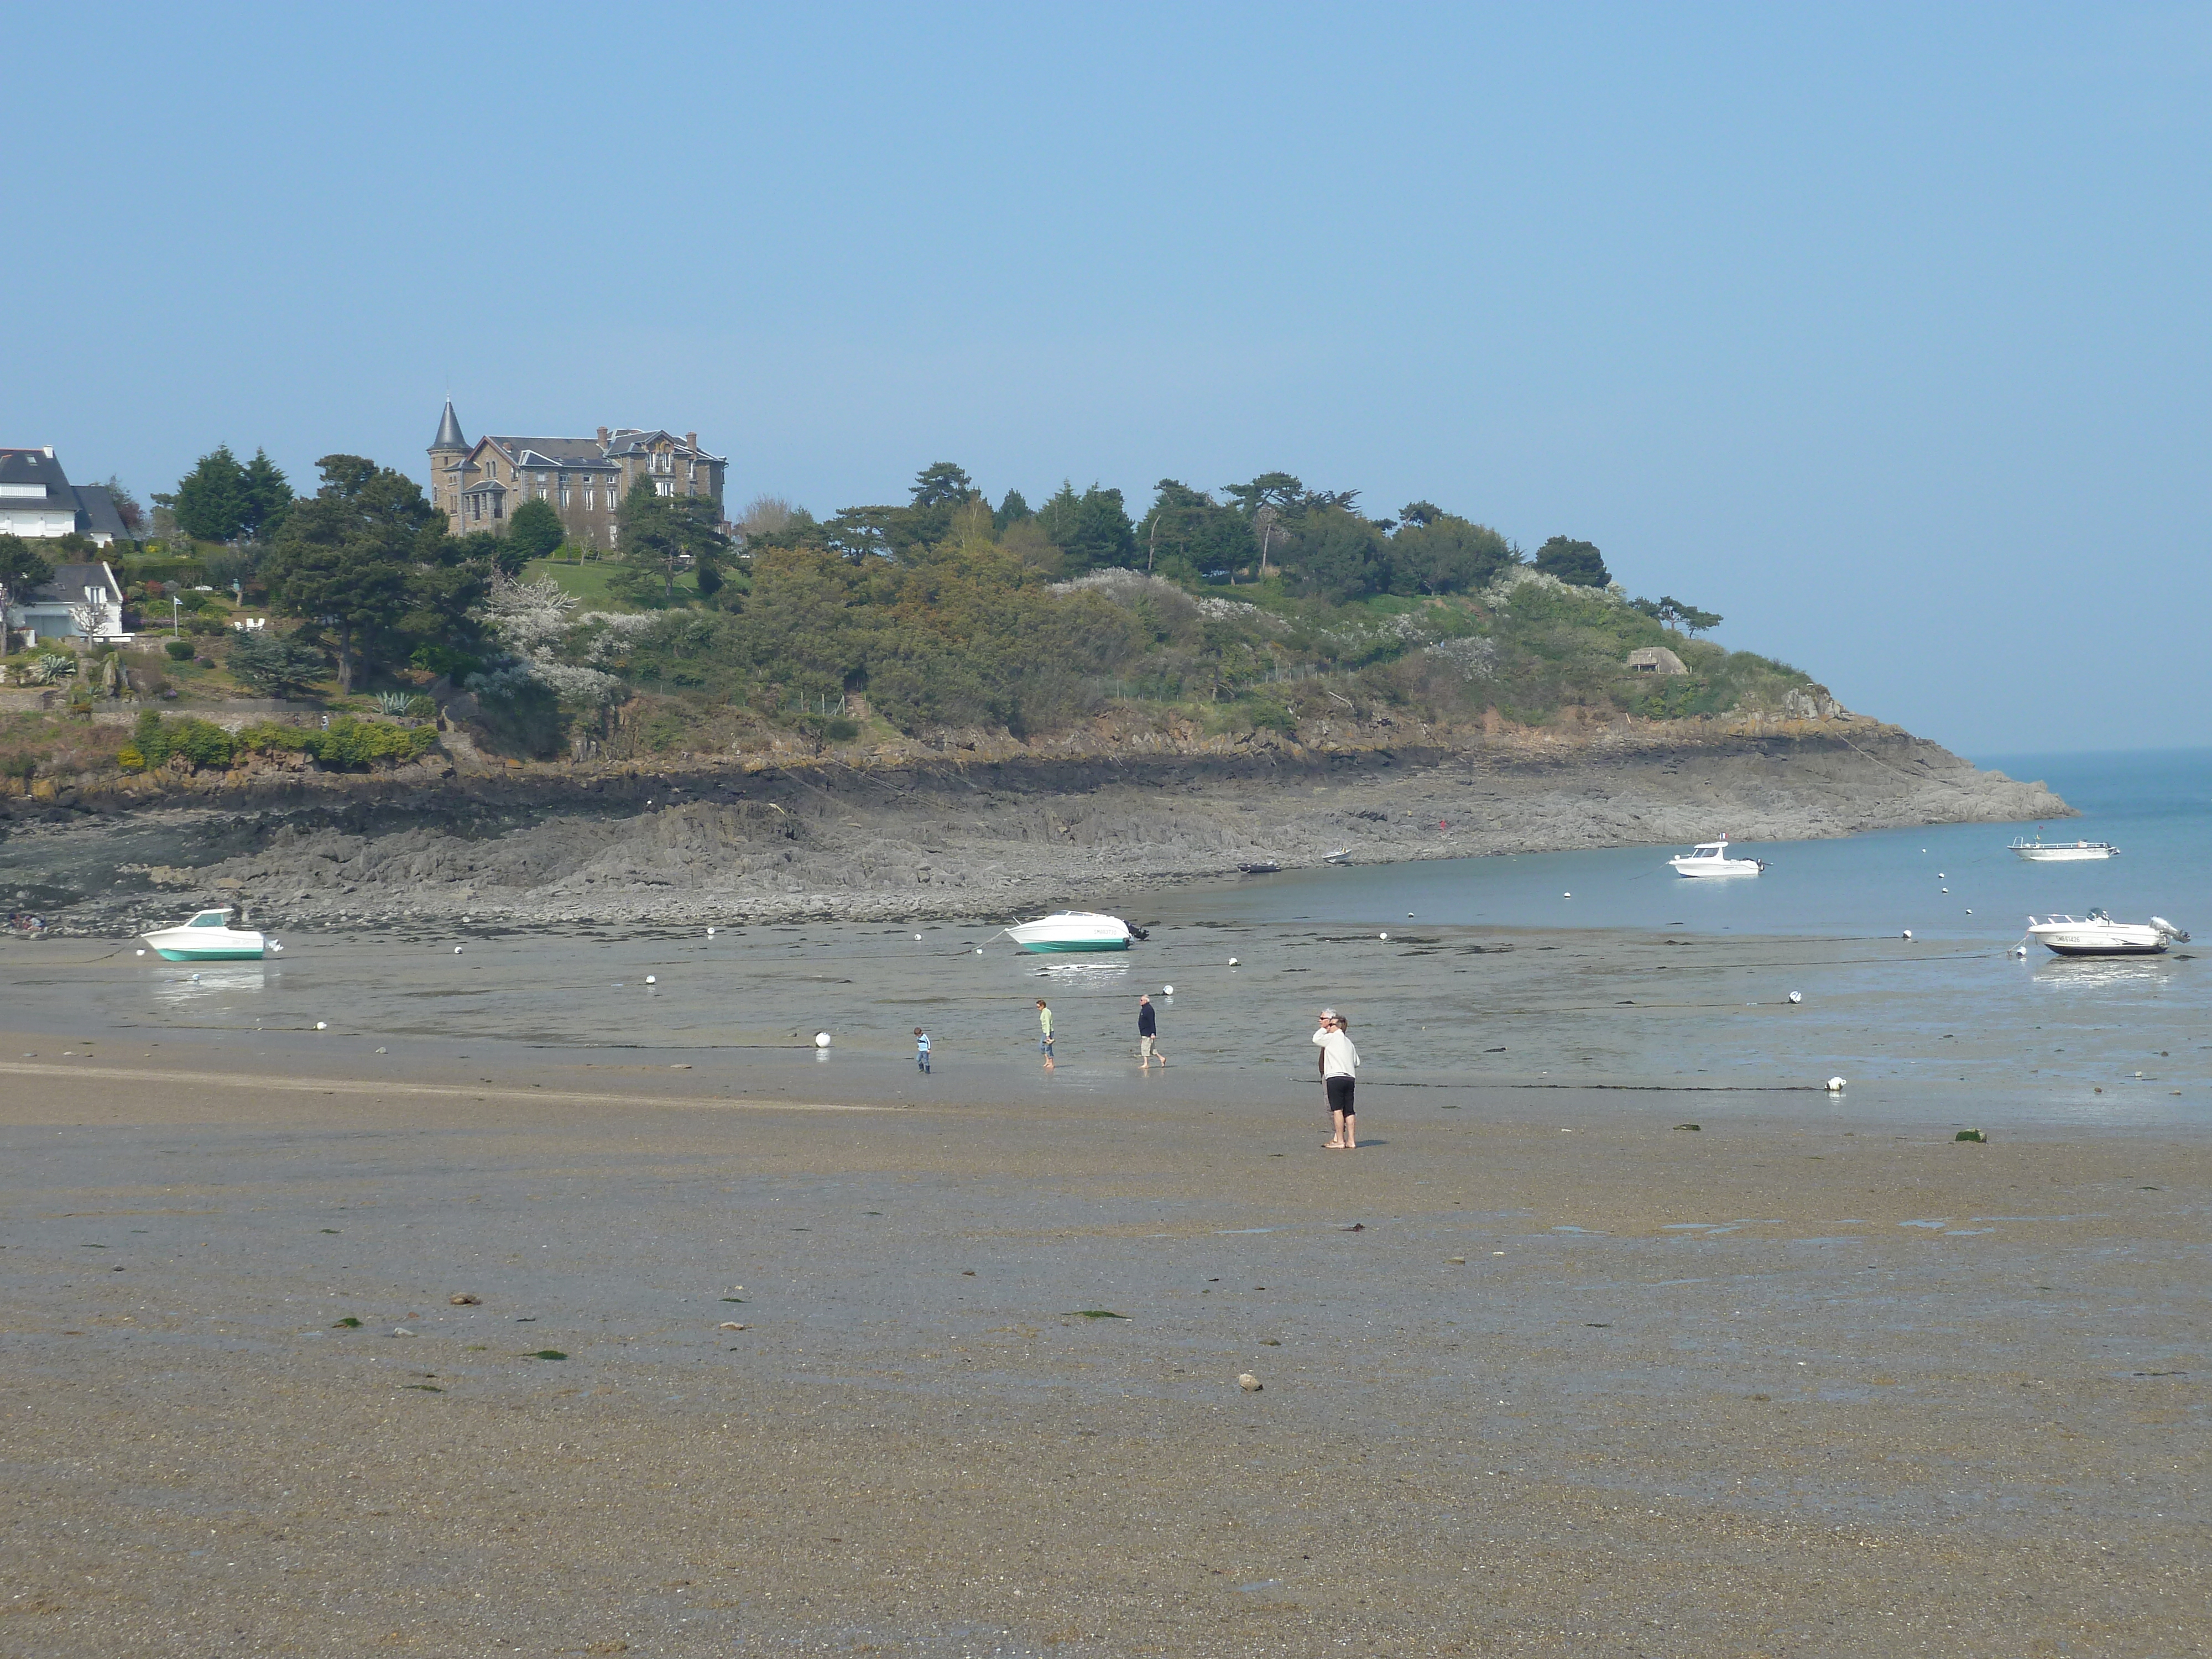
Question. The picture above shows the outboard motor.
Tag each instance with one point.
(2169, 930)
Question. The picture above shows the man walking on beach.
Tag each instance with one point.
(1148, 1031)
(1338, 1063)
(1044, 1033)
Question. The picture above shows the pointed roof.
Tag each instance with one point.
(449, 431)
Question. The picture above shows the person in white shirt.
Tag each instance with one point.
(1338, 1063)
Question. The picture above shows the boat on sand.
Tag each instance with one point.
(209, 937)
(2098, 935)
(1075, 930)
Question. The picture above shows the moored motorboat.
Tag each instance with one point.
(1261, 867)
(2039, 851)
(209, 937)
(1075, 930)
(1342, 855)
(1711, 857)
(2098, 935)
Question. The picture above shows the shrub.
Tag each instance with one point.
(455, 666)
(179, 650)
(201, 742)
(350, 742)
(838, 729)
(129, 759)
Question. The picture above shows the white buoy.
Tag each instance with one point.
(978, 950)
(652, 980)
(1908, 933)
(1835, 1086)
(1947, 890)
(710, 932)
(141, 953)
(322, 1025)
(1566, 896)
(1940, 876)
(822, 1039)
(1167, 990)
(457, 949)
(195, 979)
(1233, 963)
(917, 939)
(1796, 996)
(1382, 935)
(1409, 915)
(1970, 910)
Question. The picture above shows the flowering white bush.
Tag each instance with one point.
(531, 620)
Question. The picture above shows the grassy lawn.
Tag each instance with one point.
(588, 582)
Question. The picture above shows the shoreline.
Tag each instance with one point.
(954, 839)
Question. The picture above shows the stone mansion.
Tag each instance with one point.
(478, 485)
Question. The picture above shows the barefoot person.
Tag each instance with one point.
(1148, 1031)
(1044, 1033)
(921, 1050)
(1338, 1063)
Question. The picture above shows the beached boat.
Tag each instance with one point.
(1261, 867)
(1342, 855)
(2039, 851)
(1711, 857)
(209, 937)
(1075, 930)
(2098, 935)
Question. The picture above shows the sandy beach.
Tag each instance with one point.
(1541, 1371)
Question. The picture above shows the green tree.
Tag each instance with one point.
(1578, 562)
(1012, 510)
(659, 534)
(942, 484)
(346, 555)
(276, 665)
(1091, 529)
(1199, 532)
(22, 569)
(1677, 614)
(1339, 554)
(210, 503)
(535, 529)
(1438, 552)
(266, 497)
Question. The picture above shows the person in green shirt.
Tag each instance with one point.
(1044, 1033)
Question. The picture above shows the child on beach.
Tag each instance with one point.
(921, 1050)
(1044, 1033)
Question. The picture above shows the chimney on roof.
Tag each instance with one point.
(603, 437)
(691, 441)
(50, 452)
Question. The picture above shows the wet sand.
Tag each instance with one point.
(1542, 1373)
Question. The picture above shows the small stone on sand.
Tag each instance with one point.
(1249, 1382)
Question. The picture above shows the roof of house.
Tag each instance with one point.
(97, 514)
(449, 431)
(70, 581)
(36, 467)
(1658, 657)
(551, 451)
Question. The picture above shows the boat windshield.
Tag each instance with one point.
(208, 919)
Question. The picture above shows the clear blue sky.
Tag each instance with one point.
(1882, 332)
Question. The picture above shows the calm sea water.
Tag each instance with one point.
(2156, 806)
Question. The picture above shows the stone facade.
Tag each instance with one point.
(478, 485)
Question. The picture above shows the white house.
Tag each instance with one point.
(36, 499)
(82, 599)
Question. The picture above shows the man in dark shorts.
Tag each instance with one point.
(1148, 1031)
(1339, 1064)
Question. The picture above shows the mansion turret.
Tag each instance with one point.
(478, 485)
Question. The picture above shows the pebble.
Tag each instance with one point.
(1249, 1382)
(1456, 1260)
(380, 1051)
(401, 1330)
(320, 1024)
(463, 1300)
(729, 1325)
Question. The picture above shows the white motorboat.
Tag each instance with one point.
(209, 937)
(2040, 851)
(1711, 857)
(1075, 930)
(2098, 935)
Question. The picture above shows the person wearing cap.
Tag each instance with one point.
(1339, 1064)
